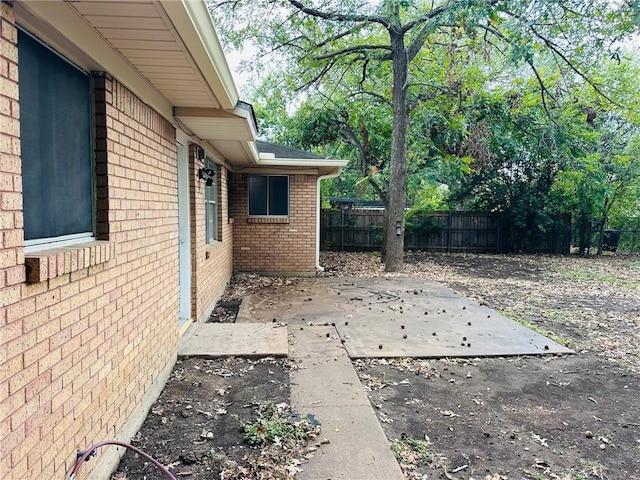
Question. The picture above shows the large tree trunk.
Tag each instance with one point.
(398, 181)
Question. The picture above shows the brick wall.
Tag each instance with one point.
(13, 375)
(268, 245)
(81, 346)
(11, 258)
(212, 264)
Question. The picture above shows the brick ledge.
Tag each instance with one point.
(47, 264)
(267, 219)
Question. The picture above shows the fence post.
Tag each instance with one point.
(342, 229)
(449, 233)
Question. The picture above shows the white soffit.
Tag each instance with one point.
(326, 166)
(144, 34)
(166, 51)
(215, 124)
(174, 45)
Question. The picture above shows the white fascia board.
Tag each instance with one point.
(324, 167)
(66, 22)
(248, 116)
(301, 162)
(252, 151)
(192, 21)
(277, 171)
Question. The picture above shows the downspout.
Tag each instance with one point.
(320, 178)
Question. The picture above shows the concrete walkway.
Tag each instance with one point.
(331, 320)
(326, 385)
(323, 383)
(212, 340)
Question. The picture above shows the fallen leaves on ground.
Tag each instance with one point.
(243, 284)
(588, 303)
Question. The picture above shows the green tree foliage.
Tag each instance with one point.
(604, 185)
(528, 148)
(404, 86)
(601, 186)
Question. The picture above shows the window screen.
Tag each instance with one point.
(258, 195)
(278, 195)
(211, 207)
(55, 135)
(268, 195)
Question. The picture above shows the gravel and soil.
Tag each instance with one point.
(556, 417)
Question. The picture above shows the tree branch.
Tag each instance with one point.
(363, 77)
(433, 13)
(350, 50)
(543, 90)
(377, 96)
(338, 17)
(317, 77)
(337, 36)
(556, 50)
(347, 134)
(380, 191)
(416, 44)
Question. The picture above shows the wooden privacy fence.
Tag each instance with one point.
(477, 232)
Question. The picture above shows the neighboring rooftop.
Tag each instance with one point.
(337, 202)
(280, 151)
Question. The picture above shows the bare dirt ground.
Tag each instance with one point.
(572, 417)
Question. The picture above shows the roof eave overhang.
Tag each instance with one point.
(215, 124)
(235, 128)
(84, 45)
(229, 124)
(224, 125)
(320, 167)
(193, 24)
(61, 25)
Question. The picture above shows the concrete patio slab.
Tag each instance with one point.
(446, 337)
(398, 316)
(331, 320)
(317, 342)
(326, 385)
(211, 340)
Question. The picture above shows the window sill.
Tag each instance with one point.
(267, 219)
(48, 264)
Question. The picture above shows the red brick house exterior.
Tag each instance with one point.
(212, 263)
(89, 323)
(256, 244)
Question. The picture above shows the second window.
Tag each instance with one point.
(269, 195)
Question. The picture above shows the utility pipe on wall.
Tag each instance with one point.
(320, 178)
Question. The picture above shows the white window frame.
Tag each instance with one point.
(211, 206)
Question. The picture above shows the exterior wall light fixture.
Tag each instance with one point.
(208, 175)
